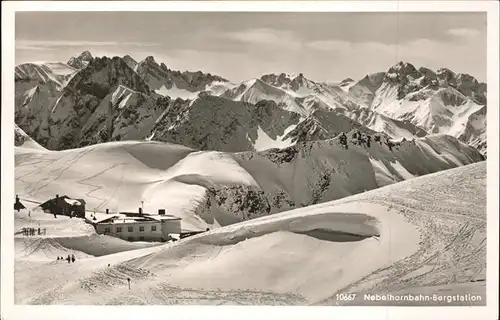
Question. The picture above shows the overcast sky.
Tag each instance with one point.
(241, 46)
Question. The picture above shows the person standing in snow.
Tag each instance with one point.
(128, 279)
(343, 140)
(69, 259)
(73, 258)
(389, 144)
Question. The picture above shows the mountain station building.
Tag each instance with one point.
(140, 226)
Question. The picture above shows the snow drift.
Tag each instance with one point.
(418, 236)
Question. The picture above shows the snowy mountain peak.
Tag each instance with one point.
(428, 73)
(401, 71)
(151, 60)
(85, 56)
(276, 80)
(288, 82)
(301, 81)
(464, 78)
(446, 75)
(80, 61)
(346, 82)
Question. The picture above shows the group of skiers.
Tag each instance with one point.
(33, 231)
(70, 258)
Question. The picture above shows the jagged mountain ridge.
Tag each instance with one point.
(402, 97)
(78, 116)
(56, 123)
(161, 79)
(359, 101)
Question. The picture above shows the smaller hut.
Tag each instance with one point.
(65, 206)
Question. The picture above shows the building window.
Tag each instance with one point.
(107, 230)
(130, 229)
(141, 238)
(118, 229)
(130, 238)
(141, 228)
(153, 228)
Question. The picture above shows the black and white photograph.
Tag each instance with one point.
(192, 157)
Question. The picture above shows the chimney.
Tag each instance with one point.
(161, 212)
(140, 210)
(17, 198)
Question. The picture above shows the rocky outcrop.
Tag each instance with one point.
(159, 75)
(81, 61)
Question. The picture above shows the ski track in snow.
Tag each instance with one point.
(451, 251)
(447, 253)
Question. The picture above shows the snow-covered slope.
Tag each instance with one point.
(36, 73)
(396, 129)
(425, 235)
(215, 188)
(255, 90)
(364, 89)
(25, 141)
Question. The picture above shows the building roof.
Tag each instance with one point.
(115, 219)
(132, 217)
(68, 200)
(161, 217)
(73, 202)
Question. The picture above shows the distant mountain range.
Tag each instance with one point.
(66, 105)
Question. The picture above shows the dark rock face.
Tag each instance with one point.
(102, 75)
(276, 80)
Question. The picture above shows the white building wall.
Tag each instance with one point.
(135, 234)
